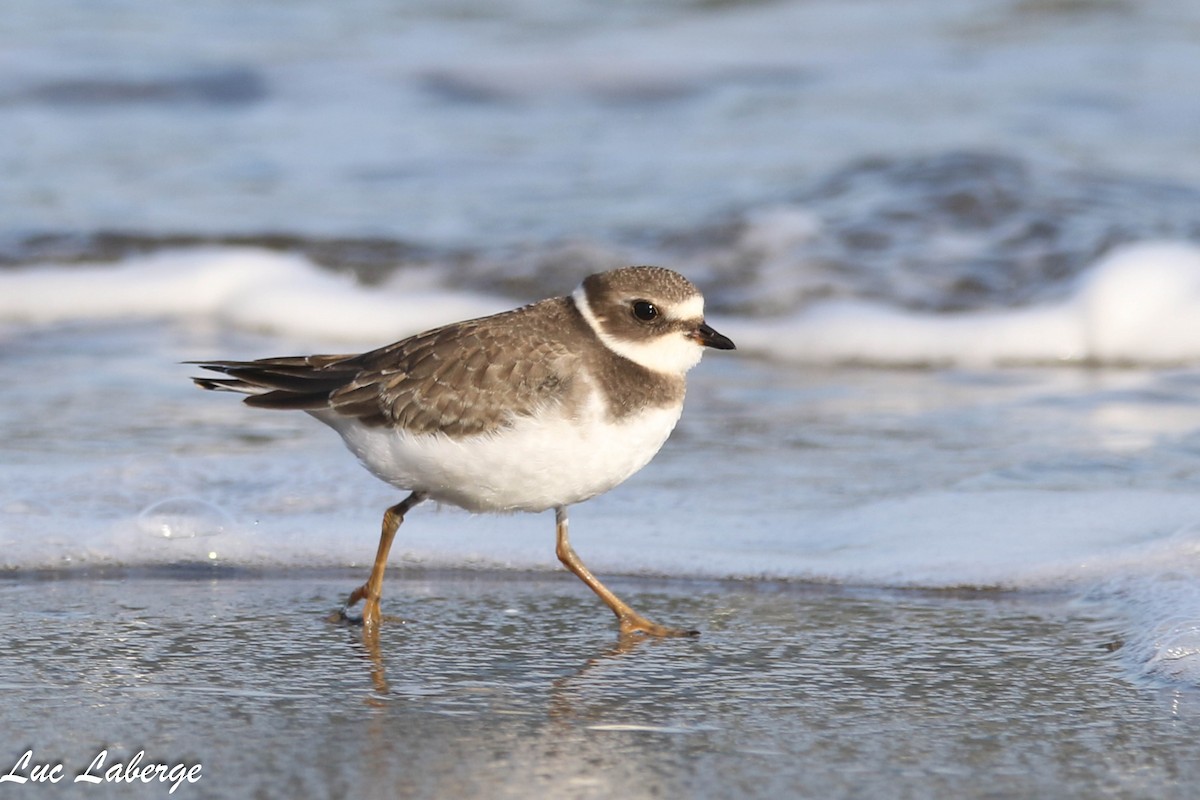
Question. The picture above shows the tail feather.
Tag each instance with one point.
(222, 385)
(282, 383)
(289, 401)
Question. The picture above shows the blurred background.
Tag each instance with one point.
(931, 155)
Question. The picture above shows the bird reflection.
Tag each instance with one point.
(560, 689)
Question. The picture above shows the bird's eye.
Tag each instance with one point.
(645, 310)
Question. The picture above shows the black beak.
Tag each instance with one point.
(710, 338)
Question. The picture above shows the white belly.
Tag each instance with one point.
(536, 465)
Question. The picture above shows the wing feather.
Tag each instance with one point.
(459, 380)
(463, 380)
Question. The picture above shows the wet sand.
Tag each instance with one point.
(514, 685)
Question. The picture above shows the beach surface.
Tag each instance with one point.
(515, 685)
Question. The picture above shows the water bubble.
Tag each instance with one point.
(183, 518)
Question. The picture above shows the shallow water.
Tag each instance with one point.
(513, 686)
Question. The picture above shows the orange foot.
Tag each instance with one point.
(633, 624)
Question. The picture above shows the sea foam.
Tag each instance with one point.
(1138, 305)
(248, 288)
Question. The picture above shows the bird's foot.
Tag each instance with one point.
(636, 625)
(371, 614)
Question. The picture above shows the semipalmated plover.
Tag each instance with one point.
(536, 408)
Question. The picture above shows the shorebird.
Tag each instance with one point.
(532, 409)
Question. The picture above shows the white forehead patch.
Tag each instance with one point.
(672, 353)
(692, 308)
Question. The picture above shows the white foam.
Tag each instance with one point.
(1138, 305)
(244, 287)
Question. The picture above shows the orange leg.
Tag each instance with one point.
(630, 621)
(372, 590)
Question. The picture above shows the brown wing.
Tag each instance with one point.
(461, 379)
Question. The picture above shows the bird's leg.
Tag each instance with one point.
(630, 621)
(372, 590)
